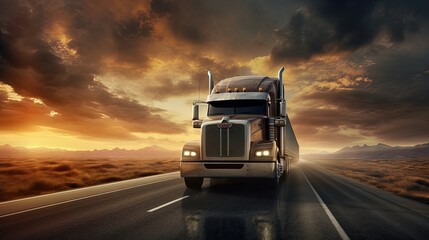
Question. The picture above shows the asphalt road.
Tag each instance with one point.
(311, 203)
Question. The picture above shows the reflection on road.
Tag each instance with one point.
(232, 209)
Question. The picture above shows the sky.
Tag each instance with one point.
(102, 74)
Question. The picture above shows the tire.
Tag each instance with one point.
(194, 182)
(287, 166)
(274, 184)
(284, 173)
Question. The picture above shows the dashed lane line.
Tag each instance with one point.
(166, 204)
(81, 198)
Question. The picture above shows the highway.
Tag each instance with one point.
(311, 203)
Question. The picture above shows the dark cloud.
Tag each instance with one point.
(354, 108)
(34, 68)
(185, 19)
(100, 32)
(197, 81)
(139, 26)
(397, 116)
(384, 42)
(358, 68)
(332, 26)
(230, 29)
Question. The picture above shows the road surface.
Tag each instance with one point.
(312, 203)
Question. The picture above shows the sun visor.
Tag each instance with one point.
(238, 96)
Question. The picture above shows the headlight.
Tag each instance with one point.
(188, 153)
(262, 153)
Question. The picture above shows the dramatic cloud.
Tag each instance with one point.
(60, 70)
(231, 30)
(375, 102)
(356, 71)
(196, 78)
(331, 26)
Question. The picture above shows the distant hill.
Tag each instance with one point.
(153, 151)
(379, 151)
(365, 148)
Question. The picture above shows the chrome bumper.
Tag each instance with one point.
(228, 169)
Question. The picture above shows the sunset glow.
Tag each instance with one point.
(106, 74)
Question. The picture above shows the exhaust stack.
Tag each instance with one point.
(282, 95)
(211, 84)
(282, 102)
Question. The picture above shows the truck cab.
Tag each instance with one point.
(246, 133)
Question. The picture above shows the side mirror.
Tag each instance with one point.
(196, 123)
(279, 122)
(195, 112)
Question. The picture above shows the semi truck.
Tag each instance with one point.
(245, 134)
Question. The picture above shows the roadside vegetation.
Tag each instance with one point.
(21, 177)
(27, 177)
(405, 177)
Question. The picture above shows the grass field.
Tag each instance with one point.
(32, 176)
(405, 177)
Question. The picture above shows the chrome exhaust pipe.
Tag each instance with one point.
(282, 102)
(281, 83)
(211, 84)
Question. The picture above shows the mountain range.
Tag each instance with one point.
(379, 151)
(153, 151)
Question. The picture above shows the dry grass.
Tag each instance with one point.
(28, 177)
(406, 177)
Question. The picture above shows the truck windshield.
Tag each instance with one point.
(254, 107)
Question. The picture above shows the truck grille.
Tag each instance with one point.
(225, 142)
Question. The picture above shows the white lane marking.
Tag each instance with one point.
(91, 187)
(334, 221)
(166, 204)
(78, 199)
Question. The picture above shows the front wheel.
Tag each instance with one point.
(194, 182)
(273, 185)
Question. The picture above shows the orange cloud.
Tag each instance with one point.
(119, 71)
